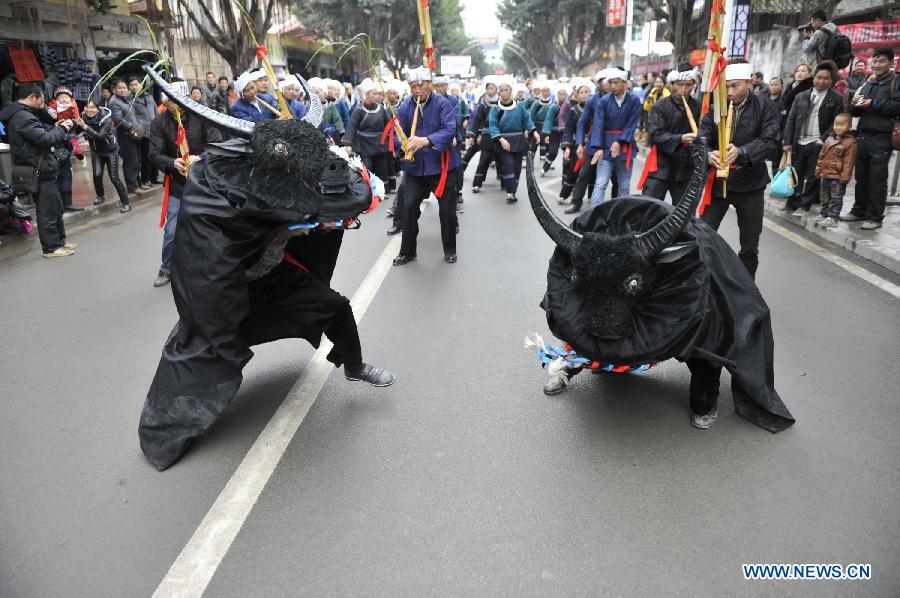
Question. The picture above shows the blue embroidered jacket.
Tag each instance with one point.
(437, 122)
(613, 122)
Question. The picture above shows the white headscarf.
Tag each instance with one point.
(244, 80)
(740, 71)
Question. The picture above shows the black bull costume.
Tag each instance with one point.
(635, 281)
(259, 230)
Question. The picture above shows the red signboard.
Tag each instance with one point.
(24, 63)
(874, 34)
(615, 13)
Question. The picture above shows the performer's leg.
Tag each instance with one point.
(552, 150)
(750, 207)
(447, 215)
(704, 392)
(655, 188)
(506, 165)
(484, 160)
(605, 171)
(715, 212)
(677, 189)
(517, 159)
(415, 189)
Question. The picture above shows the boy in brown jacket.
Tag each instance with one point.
(834, 167)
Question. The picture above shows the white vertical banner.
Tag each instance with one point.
(629, 23)
(728, 28)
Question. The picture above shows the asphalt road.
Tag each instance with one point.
(462, 479)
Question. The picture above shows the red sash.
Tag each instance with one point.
(165, 202)
(445, 165)
(649, 166)
(388, 134)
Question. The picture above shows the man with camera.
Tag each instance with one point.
(816, 35)
(33, 135)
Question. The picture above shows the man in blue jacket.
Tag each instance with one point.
(612, 135)
(248, 106)
(433, 165)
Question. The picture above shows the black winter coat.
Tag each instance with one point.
(98, 130)
(832, 105)
(756, 135)
(163, 151)
(885, 96)
(32, 136)
(668, 122)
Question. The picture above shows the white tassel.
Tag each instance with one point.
(535, 342)
(556, 371)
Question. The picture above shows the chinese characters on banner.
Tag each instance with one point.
(615, 13)
(24, 63)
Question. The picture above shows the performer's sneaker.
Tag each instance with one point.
(562, 201)
(450, 258)
(401, 259)
(827, 222)
(510, 198)
(367, 373)
(393, 230)
(162, 279)
(704, 422)
(554, 386)
(851, 217)
(476, 189)
(573, 209)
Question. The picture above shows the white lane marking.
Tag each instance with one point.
(881, 283)
(192, 571)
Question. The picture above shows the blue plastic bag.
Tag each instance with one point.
(785, 180)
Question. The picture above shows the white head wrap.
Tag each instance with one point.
(366, 85)
(578, 82)
(456, 85)
(601, 74)
(517, 87)
(739, 71)
(418, 74)
(675, 75)
(316, 83)
(288, 81)
(616, 74)
(244, 80)
(441, 80)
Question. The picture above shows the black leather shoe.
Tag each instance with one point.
(573, 209)
(73, 209)
(393, 230)
(459, 199)
(367, 373)
(450, 258)
(401, 259)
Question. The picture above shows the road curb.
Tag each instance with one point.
(883, 248)
(16, 245)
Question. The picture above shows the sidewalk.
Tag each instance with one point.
(83, 197)
(880, 246)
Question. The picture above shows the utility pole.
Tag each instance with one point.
(629, 23)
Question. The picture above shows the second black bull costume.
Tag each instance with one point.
(635, 282)
(259, 231)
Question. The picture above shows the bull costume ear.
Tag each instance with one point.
(655, 240)
(564, 237)
(315, 113)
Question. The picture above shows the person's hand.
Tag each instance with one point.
(547, 139)
(688, 138)
(469, 142)
(598, 155)
(416, 143)
(52, 112)
(732, 155)
(66, 124)
(478, 140)
(348, 149)
(614, 150)
(537, 137)
(714, 160)
(807, 34)
(79, 122)
(180, 166)
(787, 148)
(579, 151)
(566, 153)
(504, 144)
(862, 102)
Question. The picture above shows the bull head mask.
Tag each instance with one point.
(612, 272)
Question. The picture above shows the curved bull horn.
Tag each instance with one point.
(235, 126)
(566, 238)
(315, 113)
(661, 236)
